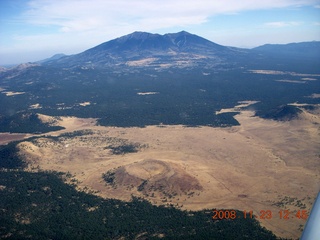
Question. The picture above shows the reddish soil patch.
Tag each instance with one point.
(5, 138)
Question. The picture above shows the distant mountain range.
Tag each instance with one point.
(311, 49)
(182, 49)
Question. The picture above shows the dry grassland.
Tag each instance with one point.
(260, 165)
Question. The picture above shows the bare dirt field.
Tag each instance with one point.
(258, 166)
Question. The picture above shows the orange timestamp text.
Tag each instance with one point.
(263, 214)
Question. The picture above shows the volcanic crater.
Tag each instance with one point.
(153, 177)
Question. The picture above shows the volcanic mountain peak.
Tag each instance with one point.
(184, 38)
(137, 48)
(138, 35)
(172, 40)
(143, 41)
(181, 49)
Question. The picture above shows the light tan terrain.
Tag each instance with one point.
(260, 165)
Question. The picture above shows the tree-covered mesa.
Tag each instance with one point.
(39, 205)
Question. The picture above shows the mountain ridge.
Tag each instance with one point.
(312, 49)
(184, 50)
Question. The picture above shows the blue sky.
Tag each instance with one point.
(31, 30)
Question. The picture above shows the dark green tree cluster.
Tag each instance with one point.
(9, 158)
(25, 123)
(124, 148)
(283, 113)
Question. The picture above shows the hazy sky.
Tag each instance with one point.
(31, 30)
